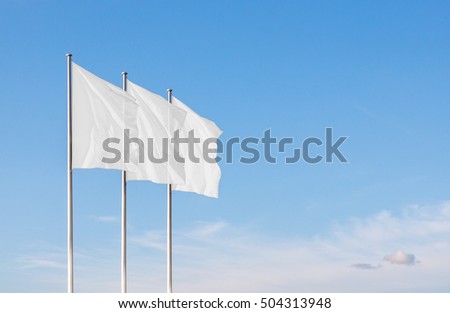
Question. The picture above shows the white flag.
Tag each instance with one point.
(202, 172)
(100, 114)
(157, 120)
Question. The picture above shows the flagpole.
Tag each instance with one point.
(69, 178)
(124, 212)
(169, 222)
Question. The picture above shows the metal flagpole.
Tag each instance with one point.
(124, 212)
(69, 178)
(169, 223)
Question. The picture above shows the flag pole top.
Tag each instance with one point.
(69, 55)
(169, 89)
(124, 73)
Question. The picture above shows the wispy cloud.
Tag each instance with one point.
(386, 120)
(154, 239)
(240, 260)
(42, 256)
(35, 262)
(366, 266)
(106, 219)
(205, 230)
(221, 257)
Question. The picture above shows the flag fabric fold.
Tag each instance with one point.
(100, 111)
(157, 120)
(202, 172)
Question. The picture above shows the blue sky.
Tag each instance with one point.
(376, 72)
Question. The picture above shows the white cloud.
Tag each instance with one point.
(366, 266)
(401, 257)
(220, 257)
(240, 260)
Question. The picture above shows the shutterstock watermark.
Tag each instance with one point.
(250, 150)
